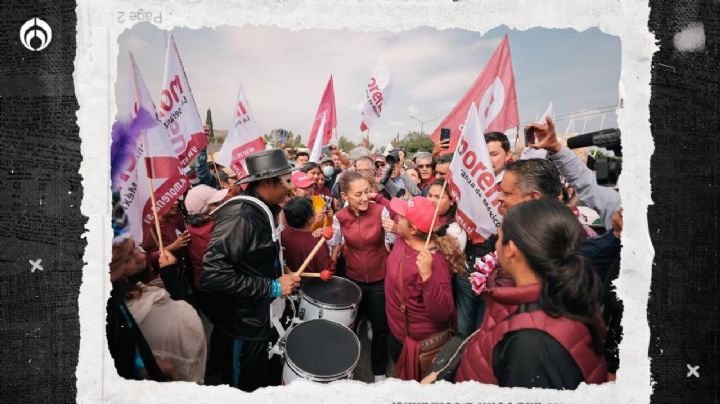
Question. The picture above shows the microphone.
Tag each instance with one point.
(606, 138)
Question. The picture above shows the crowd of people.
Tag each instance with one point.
(198, 309)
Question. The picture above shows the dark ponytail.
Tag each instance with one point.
(549, 236)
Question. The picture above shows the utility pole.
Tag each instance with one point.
(422, 123)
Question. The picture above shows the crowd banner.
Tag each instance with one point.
(325, 110)
(178, 112)
(472, 183)
(531, 153)
(316, 151)
(494, 94)
(154, 158)
(377, 93)
(243, 138)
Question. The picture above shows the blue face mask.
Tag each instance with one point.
(328, 171)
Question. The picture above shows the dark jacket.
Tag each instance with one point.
(239, 266)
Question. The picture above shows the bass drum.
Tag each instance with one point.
(335, 300)
(320, 351)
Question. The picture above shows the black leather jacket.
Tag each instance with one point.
(240, 263)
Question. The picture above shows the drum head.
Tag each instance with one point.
(322, 348)
(337, 291)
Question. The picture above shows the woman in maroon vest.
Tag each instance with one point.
(359, 227)
(418, 285)
(554, 339)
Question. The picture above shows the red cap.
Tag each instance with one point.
(418, 210)
(301, 180)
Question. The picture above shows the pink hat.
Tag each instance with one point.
(301, 180)
(418, 210)
(202, 195)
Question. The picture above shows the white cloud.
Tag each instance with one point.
(284, 73)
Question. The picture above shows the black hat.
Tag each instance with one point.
(266, 164)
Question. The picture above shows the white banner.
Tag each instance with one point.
(377, 93)
(243, 138)
(472, 183)
(154, 157)
(317, 147)
(178, 112)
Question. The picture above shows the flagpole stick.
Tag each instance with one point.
(217, 174)
(442, 192)
(437, 210)
(161, 247)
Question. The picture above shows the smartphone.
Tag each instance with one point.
(445, 136)
(529, 135)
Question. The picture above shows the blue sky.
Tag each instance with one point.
(284, 72)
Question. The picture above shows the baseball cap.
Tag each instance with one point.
(418, 210)
(202, 195)
(301, 180)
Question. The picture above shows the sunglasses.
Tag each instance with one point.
(424, 166)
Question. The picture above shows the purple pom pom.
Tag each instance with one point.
(124, 141)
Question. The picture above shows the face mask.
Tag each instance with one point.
(328, 171)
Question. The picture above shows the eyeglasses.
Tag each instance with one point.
(424, 166)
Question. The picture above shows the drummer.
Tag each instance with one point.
(298, 240)
(242, 271)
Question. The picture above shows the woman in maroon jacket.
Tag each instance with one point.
(419, 281)
(553, 337)
(359, 227)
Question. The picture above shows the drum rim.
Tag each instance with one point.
(318, 303)
(341, 279)
(337, 376)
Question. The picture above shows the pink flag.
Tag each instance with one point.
(472, 183)
(243, 138)
(154, 158)
(326, 107)
(178, 112)
(494, 94)
(377, 93)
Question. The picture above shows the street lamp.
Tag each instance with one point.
(422, 123)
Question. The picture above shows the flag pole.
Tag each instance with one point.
(217, 174)
(442, 192)
(161, 247)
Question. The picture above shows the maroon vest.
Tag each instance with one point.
(365, 251)
(477, 361)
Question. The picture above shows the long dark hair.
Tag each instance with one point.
(453, 206)
(549, 236)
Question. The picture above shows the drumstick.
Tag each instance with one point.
(325, 275)
(326, 235)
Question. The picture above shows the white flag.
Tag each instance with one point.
(178, 112)
(317, 147)
(154, 158)
(377, 93)
(243, 138)
(472, 183)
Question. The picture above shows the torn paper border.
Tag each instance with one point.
(98, 28)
